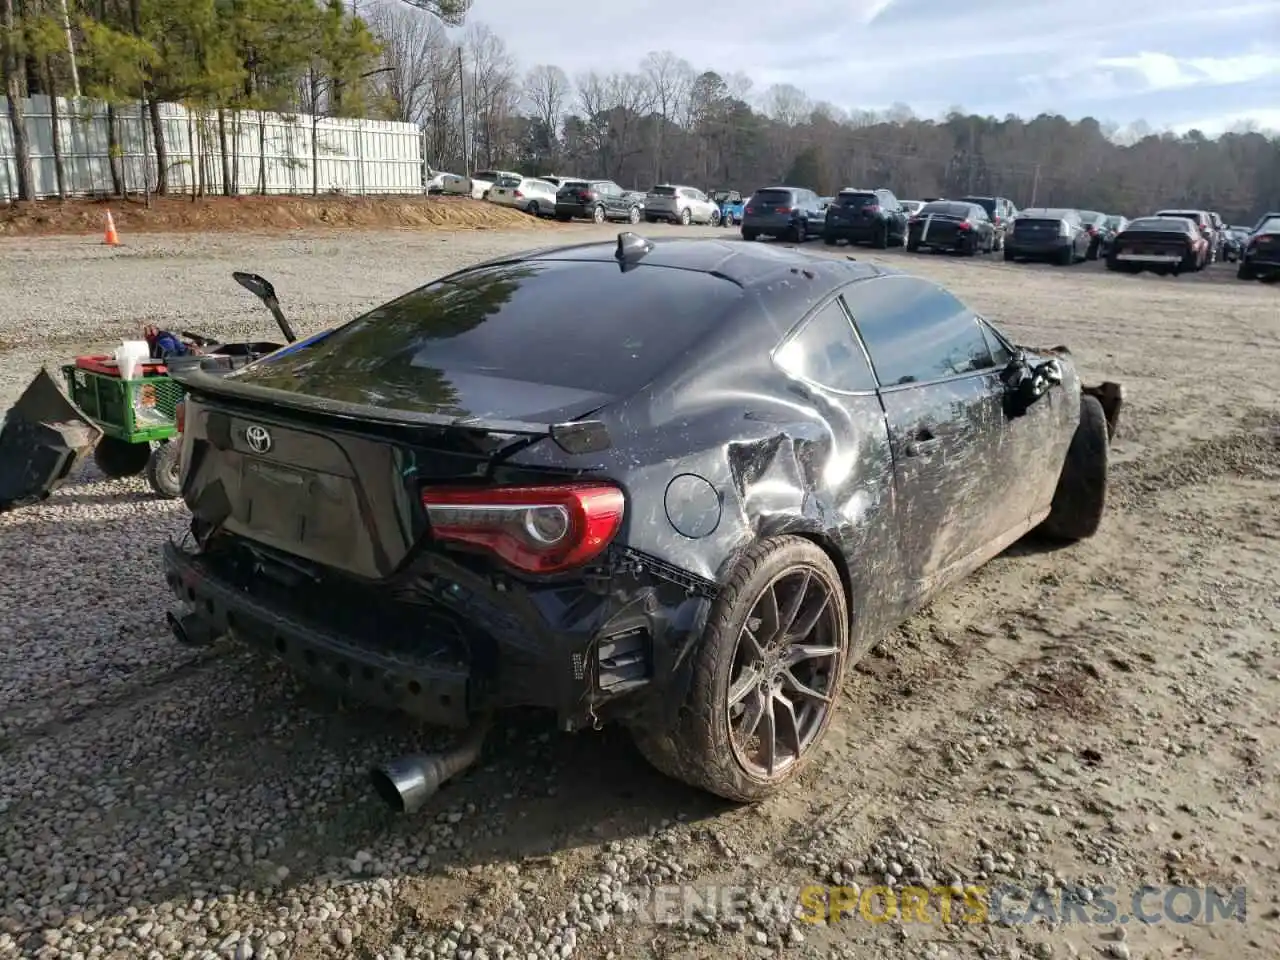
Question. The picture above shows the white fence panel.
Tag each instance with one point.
(264, 151)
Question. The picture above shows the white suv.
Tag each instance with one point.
(683, 205)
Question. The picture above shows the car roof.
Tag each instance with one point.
(753, 266)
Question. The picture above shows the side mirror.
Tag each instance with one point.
(261, 288)
(1026, 384)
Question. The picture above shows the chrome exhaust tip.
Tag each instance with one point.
(405, 784)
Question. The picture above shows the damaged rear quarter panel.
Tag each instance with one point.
(783, 456)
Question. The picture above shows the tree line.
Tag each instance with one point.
(667, 120)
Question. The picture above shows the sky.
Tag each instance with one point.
(1173, 64)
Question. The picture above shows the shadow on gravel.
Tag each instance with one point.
(135, 772)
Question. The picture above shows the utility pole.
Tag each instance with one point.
(462, 112)
(1035, 184)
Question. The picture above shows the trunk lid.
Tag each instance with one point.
(1036, 229)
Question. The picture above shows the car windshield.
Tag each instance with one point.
(499, 340)
(1171, 224)
(946, 208)
(986, 203)
(856, 200)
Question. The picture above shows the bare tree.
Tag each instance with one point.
(416, 51)
(546, 95)
(670, 79)
(787, 104)
(14, 92)
(494, 95)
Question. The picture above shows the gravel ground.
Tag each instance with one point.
(1104, 714)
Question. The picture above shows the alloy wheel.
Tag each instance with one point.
(784, 675)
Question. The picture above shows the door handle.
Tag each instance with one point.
(922, 443)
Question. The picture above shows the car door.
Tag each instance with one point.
(944, 403)
(982, 223)
(815, 215)
(855, 493)
(893, 213)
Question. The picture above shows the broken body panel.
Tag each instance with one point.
(315, 543)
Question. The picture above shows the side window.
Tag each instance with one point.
(915, 331)
(826, 352)
(1000, 352)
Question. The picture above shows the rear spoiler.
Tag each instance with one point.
(574, 436)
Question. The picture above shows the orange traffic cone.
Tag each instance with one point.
(112, 239)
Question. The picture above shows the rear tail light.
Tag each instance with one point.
(1093, 231)
(537, 529)
(750, 210)
(872, 208)
(518, 195)
(964, 225)
(781, 209)
(1064, 228)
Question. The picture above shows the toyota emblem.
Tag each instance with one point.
(258, 438)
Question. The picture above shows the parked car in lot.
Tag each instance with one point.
(1112, 226)
(731, 206)
(1260, 259)
(865, 216)
(911, 207)
(1203, 223)
(1159, 244)
(435, 181)
(680, 204)
(1095, 224)
(1233, 241)
(597, 200)
(469, 499)
(530, 194)
(791, 213)
(953, 226)
(479, 184)
(1043, 233)
(1000, 211)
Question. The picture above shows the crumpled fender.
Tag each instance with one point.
(42, 439)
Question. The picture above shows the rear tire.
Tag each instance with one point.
(1008, 255)
(164, 470)
(686, 217)
(1246, 272)
(913, 246)
(633, 215)
(881, 239)
(532, 209)
(117, 459)
(748, 234)
(798, 233)
(1081, 496)
(1067, 257)
(597, 215)
(700, 743)
(829, 239)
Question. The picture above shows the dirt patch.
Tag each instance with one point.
(182, 214)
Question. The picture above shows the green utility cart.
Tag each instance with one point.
(138, 418)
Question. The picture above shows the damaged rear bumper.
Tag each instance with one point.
(587, 655)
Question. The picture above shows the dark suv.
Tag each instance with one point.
(597, 200)
(793, 213)
(865, 216)
(1001, 211)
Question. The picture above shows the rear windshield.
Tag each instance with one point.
(1045, 215)
(575, 185)
(856, 200)
(663, 191)
(773, 196)
(1184, 214)
(487, 340)
(1158, 223)
(945, 208)
(986, 203)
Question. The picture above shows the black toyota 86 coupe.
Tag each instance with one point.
(678, 485)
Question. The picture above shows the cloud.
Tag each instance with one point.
(1139, 59)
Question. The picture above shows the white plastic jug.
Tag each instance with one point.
(130, 356)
